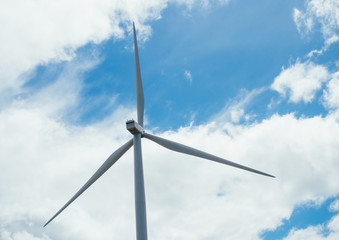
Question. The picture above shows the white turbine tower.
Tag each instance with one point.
(137, 130)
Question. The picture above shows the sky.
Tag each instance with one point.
(255, 82)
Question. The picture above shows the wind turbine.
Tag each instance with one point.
(138, 132)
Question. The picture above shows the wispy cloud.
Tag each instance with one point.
(188, 76)
(325, 12)
(235, 110)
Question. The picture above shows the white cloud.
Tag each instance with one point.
(312, 233)
(188, 76)
(300, 81)
(326, 12)
(45, 161)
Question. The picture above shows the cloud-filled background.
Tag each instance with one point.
(253, 82)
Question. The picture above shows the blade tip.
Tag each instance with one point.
(49, 221)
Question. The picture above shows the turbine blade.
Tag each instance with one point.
(104, 167)
(140, 91)
(195, 152)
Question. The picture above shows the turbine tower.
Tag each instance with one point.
(138, 132)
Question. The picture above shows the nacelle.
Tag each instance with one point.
(134, 127)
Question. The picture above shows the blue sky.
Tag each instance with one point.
(254, 82)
